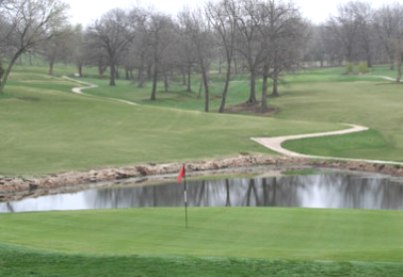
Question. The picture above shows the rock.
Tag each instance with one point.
(143, 170)
(33, 186)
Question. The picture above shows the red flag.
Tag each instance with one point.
(181, 174)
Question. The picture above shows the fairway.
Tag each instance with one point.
(48, 129)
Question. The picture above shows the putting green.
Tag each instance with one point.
(301, 234)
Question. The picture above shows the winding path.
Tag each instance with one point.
(275, 144)
(85, 86)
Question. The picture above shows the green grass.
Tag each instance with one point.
(46, 129)
(368, 144)
(315, 95)
(372, 104)
(297, 234)
(222, 240)
(16, 263)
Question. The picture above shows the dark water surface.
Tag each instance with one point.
(321, 190)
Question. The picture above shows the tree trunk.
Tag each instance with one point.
(264, 106)
(112, 82)
(226, 86)
(7, 72)
(184, 78)
(219, 66)
(206, 87)
(189, 89)
(166, 82)
(206, 92)
(399, 68)
(391, 62)
(141, 76)
(275, 85)
(369, 60)
(149, 71)
(252, 96)
(101, 69)
(127, 70)
(117, 72)
(236, 71)
(155, 83)
(80, 69)
(51, 65)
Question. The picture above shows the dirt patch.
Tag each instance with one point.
(18, 188)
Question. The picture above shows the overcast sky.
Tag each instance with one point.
(86, 11)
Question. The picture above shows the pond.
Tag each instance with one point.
(326, 189)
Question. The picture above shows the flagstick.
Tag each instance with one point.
(185, 195)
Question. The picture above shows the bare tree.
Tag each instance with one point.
(141, 48)
(187, 56)
(316, 49)
(398, 46)
(345, 30)
(220, 17)
(58, 48)
(388, 26)
(78, 51)
(198, 32)
(249, 41)
(353, 28)
(284, 31)
(28, 22)
(114, 32)
(161, 30)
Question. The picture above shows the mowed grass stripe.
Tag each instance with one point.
(296, 234)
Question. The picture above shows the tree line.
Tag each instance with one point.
(263, 38)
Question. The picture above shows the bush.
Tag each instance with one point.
(362, 68)
(349, 68)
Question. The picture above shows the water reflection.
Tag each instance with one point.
(330, 190)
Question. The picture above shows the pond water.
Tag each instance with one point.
(320, 190)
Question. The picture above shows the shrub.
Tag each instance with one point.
(362, 68)
(349, 68)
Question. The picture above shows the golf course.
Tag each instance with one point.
(47, 129)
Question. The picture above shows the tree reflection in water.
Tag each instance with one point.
(327, 190)
(336, 190)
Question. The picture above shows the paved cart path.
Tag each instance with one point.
(275, 144)
(85, 86)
